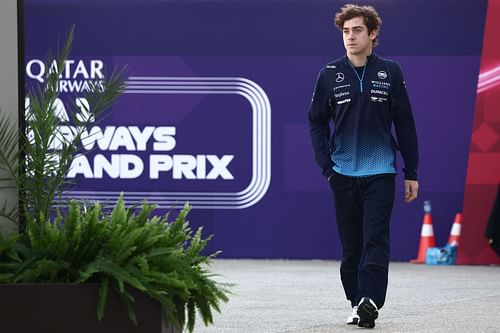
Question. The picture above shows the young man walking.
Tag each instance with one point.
(361, 95)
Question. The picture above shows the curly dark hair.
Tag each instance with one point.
(368, 13)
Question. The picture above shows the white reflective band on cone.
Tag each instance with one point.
(455, 229)
(427, 230)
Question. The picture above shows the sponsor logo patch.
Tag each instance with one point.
(342, 86)
(347, 100)
(382, 75)
(378, 99)
(341, 94)
(380, 92)
(381, 85)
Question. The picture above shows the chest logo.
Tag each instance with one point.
(340, 77)
(382, 75)
(378, 99)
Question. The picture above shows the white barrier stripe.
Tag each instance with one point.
(427, 230)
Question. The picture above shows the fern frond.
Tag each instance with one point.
(119, 213)
(107, 267)
(41, 270)
(103, 297)
(6, 277)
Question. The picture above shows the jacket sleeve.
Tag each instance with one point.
(319, 124)
(404, 125)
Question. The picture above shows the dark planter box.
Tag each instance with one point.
(72, 308)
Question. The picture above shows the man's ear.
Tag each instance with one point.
(373, 34)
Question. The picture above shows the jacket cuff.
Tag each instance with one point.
(410, 174)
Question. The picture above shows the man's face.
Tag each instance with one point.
(357, 41)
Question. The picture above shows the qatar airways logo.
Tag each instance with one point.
(150, 152)
(77, 75)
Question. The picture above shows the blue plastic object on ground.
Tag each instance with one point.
(441, 255)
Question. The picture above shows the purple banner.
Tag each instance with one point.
(215, 112)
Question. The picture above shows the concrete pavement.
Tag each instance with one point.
(306, 296)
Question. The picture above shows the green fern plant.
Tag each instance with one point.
(123, 249)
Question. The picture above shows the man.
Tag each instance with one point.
(362, 95)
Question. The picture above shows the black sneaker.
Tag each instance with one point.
(367, 312)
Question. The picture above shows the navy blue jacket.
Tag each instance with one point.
(362, 111)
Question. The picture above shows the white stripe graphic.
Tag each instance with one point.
(261, 144)
(488, 80)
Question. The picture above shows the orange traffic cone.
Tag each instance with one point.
(427, 239)
(455, 230)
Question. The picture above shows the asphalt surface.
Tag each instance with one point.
(307, 296)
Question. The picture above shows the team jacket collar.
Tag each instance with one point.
(371, 59)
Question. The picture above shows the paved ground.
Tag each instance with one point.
(306, 296)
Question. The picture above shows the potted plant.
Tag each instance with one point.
(70, 259)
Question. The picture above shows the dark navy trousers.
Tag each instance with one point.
(363, 208)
